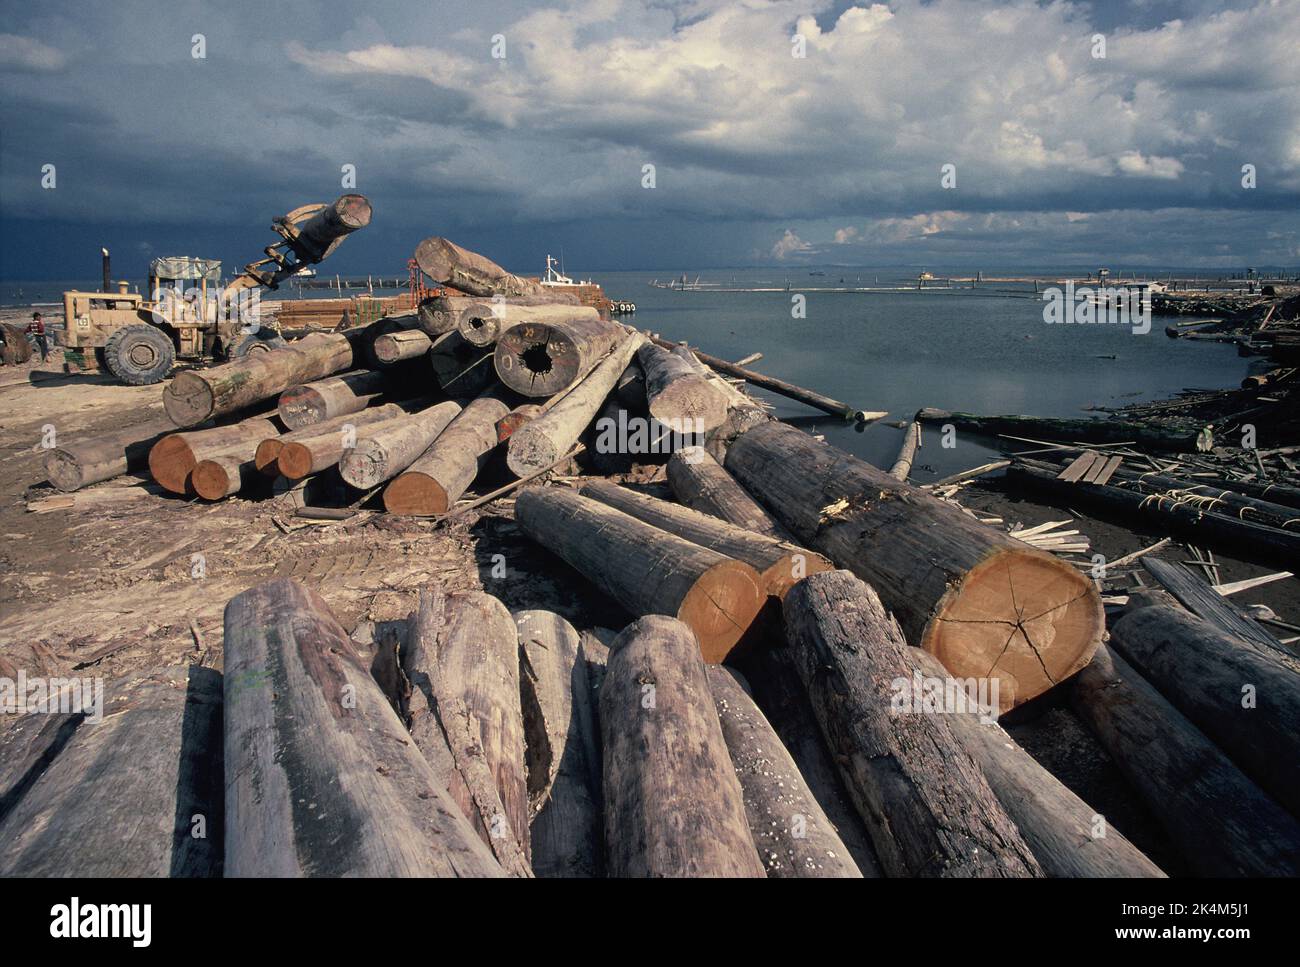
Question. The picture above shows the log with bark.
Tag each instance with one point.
(464, 653)
(1209, 497)
(1221, 822)
(673, 804)
(701, 483)
(540, 442)
(563, 742)
(173, 458)
(312, 403)
(267, 457)
(447, 263)
(517, 418)
(982, 602)
(902, 468)
(540, 359)
(395, 347)
(677, 394)
(646, 570)
(321, 779)
(926, 803)
(779, 565)
(136, 793)
(1154, 436)
(793, 836)
(1069, 838)
(462, 370)
(75, 465)
(386, 449)
(1248, 703)
(201, 394)
(438, 478)
(483, 323)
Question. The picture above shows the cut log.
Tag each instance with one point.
(779, 565)
(469, 658)
(1248, 540)
(462, 370)
(1221, 823)
(646, 570)
(446, 262)
(394, 347)
(540, 359)
(517, 418)
(1245, 701)
(1069, 838)
(386, 449)
(134, 794)
(927, 805)
(677, 394)
(173, 458)
(1180, 439)
(781, 387)
(982, 602)
(793, 836)
(483, 323)
(267, 458)
(902, 468)
(436, 480)
(542, 441)
(562, 729)
(701, 483)
(197, 395)
(321, 779)
(313, 403)
(223, 475)
(104, 456)
(673, 804)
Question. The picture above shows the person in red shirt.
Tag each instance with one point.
(37, 328)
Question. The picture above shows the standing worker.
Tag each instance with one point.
(37, 328)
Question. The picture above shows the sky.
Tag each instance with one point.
(652, 134)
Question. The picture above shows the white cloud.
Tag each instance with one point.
(789, 244)
(26, 53)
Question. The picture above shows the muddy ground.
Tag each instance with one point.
(128, 577)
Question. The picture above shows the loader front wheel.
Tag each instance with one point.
(261, 341)
(139, 355)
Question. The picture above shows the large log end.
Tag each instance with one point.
(188, 400)
(721, 607)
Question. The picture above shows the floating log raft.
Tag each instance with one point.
(394, 347)
(673, 804)
(197, 395)
(388, 448)
(470, 660)
(540, 359)
(701, 483)
(541, 442)
(563, 732)
(173, 458)
(1245, 701)
(312, 403)
(781, 387)
(1254, 542)
(646, 570)
(483, 323)
(1179, 439)
(446, 262)
(1220, 821)
(320, 777)
(136, 794)
(267, 457)
(677, 394)
(779, 565)
(438, 478)
(982, 602)
(517, 418)
(791, 832)
(1060, 828)
(927, 805)
(103, 457)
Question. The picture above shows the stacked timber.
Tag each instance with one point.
(313, 403)
(173, 458)
(443, 472)
(267, 457)
(385, 449)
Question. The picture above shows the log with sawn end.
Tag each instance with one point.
(677, 394)
(388, 448)
(313, 403)
(438, 478)
(75, 465)
(541, 359)
(173, 458)
(516, 418)
(267, 458)
(1187, 439)
(483, 323)
(446, 262)
(395, 347)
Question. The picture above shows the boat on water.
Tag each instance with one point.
(589, 292)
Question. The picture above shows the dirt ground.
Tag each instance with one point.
(130, 577)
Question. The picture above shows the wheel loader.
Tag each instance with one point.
(187, 313)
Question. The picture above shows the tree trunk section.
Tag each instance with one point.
(982, 602)
(104, 456)
(779, 565)
(673, 805)
(677, 394)
(267, 458)
(562, 729)
(1221, 823)
(701, 483)
(173, 458)
(927, 805)
(646, 570)
(483, 323)
(394, 347)
(446, 262)
(390, 447)
(902, 468)
(540, 359)
(314, 403)
(223, 475)
(462, 370)
(321, 779)
(434, 482)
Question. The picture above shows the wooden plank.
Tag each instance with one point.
(1078, 467)
(1104, 475)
